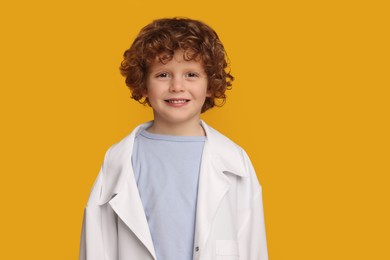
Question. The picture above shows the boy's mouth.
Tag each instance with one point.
(176, 101)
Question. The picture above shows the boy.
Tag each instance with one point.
(175, 188)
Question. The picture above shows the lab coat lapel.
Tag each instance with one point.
(220, 156)
(120, 190)
(133, 216)
(213, 185)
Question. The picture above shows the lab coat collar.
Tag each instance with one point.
(225, 154)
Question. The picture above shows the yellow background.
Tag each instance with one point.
(310, 105)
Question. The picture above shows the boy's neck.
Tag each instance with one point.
(181, 129)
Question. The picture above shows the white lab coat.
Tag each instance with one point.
(229, 218)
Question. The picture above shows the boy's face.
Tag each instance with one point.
(177, 90)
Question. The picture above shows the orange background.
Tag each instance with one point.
(310, 105)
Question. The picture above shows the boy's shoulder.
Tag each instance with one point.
(218, 139)
(225, 153)
(125, 144)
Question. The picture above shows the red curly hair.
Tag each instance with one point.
(160, 39)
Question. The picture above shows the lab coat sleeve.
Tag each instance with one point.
(252, 236)
(91, 243)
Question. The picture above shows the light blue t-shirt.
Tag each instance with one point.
(166, 170)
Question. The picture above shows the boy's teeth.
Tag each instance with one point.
(177, 101)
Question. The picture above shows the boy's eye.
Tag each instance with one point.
(192, 75)
(162, 75)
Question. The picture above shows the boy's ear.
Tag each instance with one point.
(145, 93)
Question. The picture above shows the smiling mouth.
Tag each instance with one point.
(177, 101)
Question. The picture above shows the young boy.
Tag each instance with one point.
(175, 188)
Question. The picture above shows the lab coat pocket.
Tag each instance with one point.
(227, 250)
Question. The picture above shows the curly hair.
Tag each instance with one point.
(160, 39)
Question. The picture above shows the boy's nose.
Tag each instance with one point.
(177, 85)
